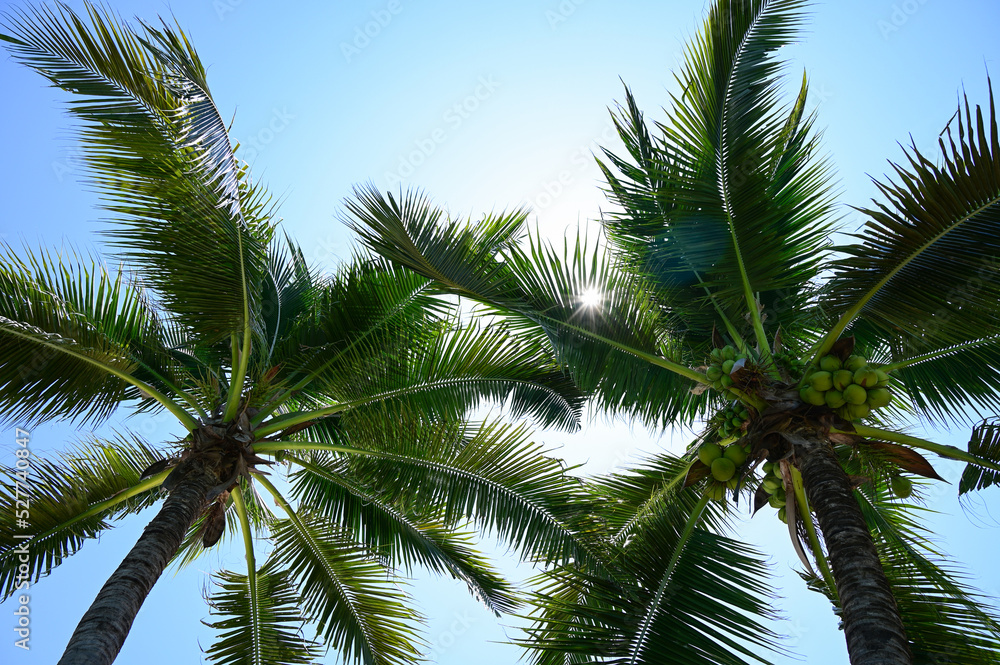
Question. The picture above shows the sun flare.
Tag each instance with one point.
(590, 298)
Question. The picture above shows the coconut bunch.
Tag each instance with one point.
(851, 387)
(729, 422)
(723, 463)
(774, 485)
(720, 368)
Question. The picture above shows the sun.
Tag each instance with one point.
(590, 298)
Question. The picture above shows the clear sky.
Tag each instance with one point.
(486, 106)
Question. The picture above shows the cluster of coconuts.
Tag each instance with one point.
(723, 463)
(851, 387)
(730, 420)
(720, 370)
(774, 485)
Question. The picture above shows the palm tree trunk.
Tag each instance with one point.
(873, 627)
(101, 632)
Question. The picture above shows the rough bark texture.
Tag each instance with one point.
(873, 627)
(100, 634)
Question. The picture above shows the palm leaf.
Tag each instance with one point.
(71, 501)
(489, 473)
(985, 443)
(396, 531)
(88, 339)
(356, 603)
(681, 590)
(919, 282)
(725, 203)
(157, 147)
(261, 623)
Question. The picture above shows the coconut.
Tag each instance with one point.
(723, 469)
(854, 363)
(842, 378)
(812, 396)
(776, 502)
(883, 379)
(821, 380)
(729, 353)
(866, 378)
(783, 514)
(714, 373)
(771, 485)
(830, 363)
(855, 394)
(878, 397)
(735, 454)
(901, 486)
(834, 399)
(709, 452)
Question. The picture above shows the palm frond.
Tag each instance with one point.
(490, 473)
(157, 148)
(260, 623)
(920, 280)
(88, 339)
(985, 443)
(356, 604)
(698, 597)
(63, 495)
(395, 530)
(726, 202)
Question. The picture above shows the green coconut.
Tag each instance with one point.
(830, 363)
(901, 486)
(854, 363)
(878, 397)
(735, 454)
(714, 373)
(866, 378)
(821, 381)
(812, 396)
(842, 378)
(709, 452)
(855, 394)
(834, 399)
(723, 469)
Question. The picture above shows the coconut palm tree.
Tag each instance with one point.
(360, 382)
(723, 300)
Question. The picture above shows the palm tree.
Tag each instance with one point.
(361, 382)
(724, 299)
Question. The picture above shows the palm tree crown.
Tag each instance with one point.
(724, 299)
(360, 381)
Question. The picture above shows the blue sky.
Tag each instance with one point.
(485, 106)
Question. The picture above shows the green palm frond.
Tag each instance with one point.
(539, 291)
(156, 146)
(258, 625)
(920, 282)
(985, 443)
(459, 256)
(491, 473)
(356, 604)
(691, 593)
(726, 202)
(71, 500)
(396, 531)
(367, 311)
(87, 339)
